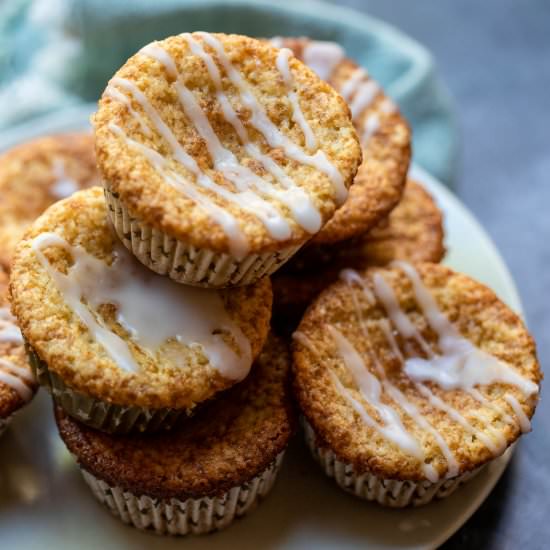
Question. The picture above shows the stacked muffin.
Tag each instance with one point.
(146, 306)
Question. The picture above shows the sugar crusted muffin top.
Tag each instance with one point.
(36, 174)
(112, 329)
(17, 384)
(400, 371)
(384, 135)
(223, 142)
(229, 441)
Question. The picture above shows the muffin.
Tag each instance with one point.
(35, 175)
(384, 134)
(120, 347)
(413, 231)
(200, 477)
(221, 156)
(17, 385)
(411, 379)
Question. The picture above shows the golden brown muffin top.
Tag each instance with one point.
(228, 442)
(383, 132)
(359, 381)
(413, 232)
(173, 373)
(17, 385)
(36, 174)
(199, 123)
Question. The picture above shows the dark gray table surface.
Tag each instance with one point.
(494, 56)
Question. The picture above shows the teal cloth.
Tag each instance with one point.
(55, 54)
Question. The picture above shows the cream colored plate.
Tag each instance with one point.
(44, 503)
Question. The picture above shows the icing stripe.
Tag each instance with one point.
(450, 343)
(523, 420)
(323, 57)
(349, 87)
(224, 160)
(466, 366)
(115, 346)
(297, 114)
(300, 204)
(372, 125)
(230, 226)
(392, 427)
(393, 391)
(116, 95)
(273, 136)
(17, 379)
(365, 95)
(9, 331)
(237, 244)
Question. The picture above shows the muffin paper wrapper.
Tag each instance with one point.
(182, 517)
(98, 414)
(387, 492)
(185, 263)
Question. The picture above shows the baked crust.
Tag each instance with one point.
(28, 177)
(10, 400)
(59, 339)
(413, 231)
(151, 199)
(381, 177)
(479, 316)
(227, 443)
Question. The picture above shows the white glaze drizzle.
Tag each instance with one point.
(9, 331)
(297, 114)
(153, 309)
(371, 389)
(371, 126)
(323, 57)
(453, 373)
(17, 378)
(277, 41)
(116, 95)
(63, 186)
(391, 427)
(302, 207)
(405, 327)
(387, 106)
(274, 137)
(224, 160)
(461, 365)
(370, 386)
(438, 403)
(364, 96)
(524, 422)
(237, 241)
(349, 87)
(393, 391)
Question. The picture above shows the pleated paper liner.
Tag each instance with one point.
(387, 492)
(99, 414)
(185, 263)
(182, 517)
